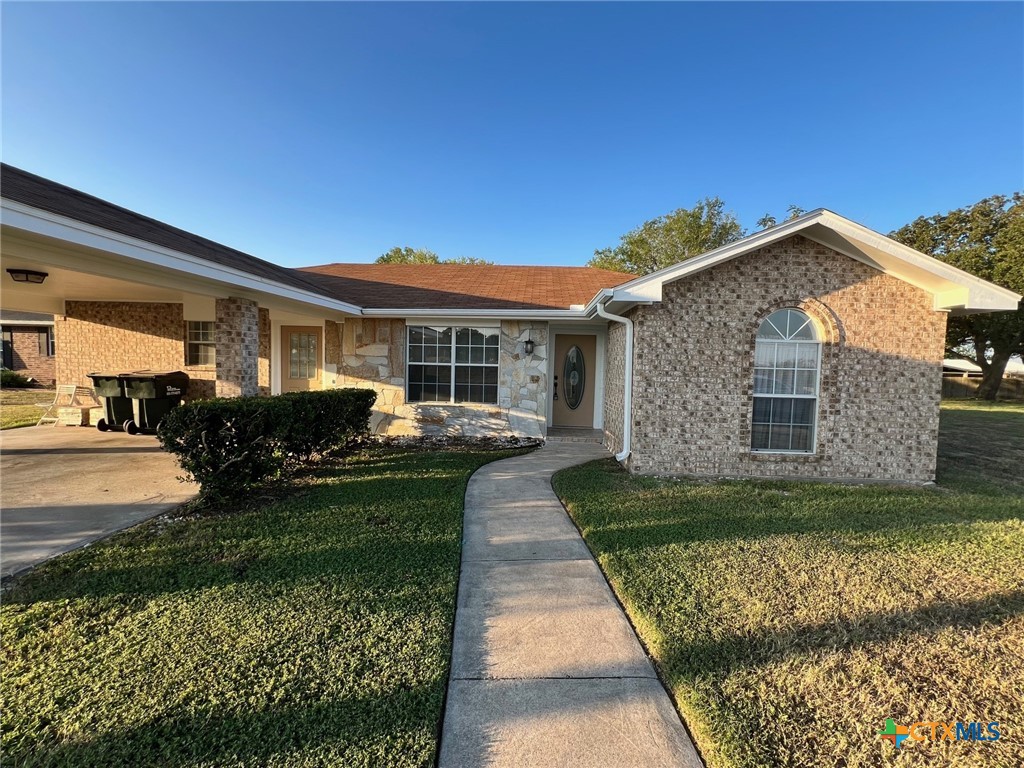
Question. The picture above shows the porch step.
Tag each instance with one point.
(569, 435)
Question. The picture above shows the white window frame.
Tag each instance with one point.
(190, 344)
(816, 342)
(452, 364)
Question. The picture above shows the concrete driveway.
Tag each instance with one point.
(62, 487)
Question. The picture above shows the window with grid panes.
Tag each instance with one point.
(787, 360)
(452, 364)
(202, 347)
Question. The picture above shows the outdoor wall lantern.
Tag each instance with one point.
(529, 346)
(27, 275)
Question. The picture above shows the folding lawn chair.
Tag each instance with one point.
(68, 396)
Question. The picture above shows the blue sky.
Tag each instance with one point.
(521, 133)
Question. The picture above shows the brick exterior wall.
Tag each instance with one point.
(237, 333)
(26, 358)
(264, 368)
(878, 410)
(126, 336)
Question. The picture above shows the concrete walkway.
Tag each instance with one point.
(546, 669)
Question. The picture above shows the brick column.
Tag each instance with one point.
(238, 347)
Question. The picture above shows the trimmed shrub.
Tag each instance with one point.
(229, 445)
(9, 378)
(321, 423)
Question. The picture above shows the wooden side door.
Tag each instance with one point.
(301, 352)
(573, 381)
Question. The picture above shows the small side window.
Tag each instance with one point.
(201, 347)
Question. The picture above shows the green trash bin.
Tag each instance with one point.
(153, 394)
(118, 412)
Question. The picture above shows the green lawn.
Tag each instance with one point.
(314, 630)
(790, 619)
(20, 407)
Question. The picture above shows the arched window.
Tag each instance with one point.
(787, 359)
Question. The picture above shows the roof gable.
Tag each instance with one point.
(952, 288)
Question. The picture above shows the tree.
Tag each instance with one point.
(409, 255)
(987, 240)
(768, 221)
(671, 238)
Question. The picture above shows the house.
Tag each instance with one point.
(760, 358)
(28, 345)
(962, 378)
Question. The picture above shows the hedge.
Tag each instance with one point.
(9, 378)
(228, 445)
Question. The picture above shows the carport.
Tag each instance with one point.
(64, 487)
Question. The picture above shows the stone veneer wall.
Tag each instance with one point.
(614, 386)
(26, 358)
(237, 332)
(372, 354)
(126, 336)
(878, 410)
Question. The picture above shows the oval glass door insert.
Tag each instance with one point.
(574, 377)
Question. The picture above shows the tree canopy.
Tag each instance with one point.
(792, 212)
(669, 239)
(987, 240)
(407, 255)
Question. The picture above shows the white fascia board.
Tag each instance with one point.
(26, 323)
(36, 221)
(964, 291)
(498, 314)
(981, 294)
(644, 285)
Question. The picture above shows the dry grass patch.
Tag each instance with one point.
(20, 407)
(790, 619)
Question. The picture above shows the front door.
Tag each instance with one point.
(573, 383)
(300, 355)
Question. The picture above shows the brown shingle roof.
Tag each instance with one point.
(462, 286)
(29, 189)
(375, 286)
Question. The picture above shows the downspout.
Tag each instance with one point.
(627, 396)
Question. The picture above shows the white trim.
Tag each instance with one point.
(967, 291)
(453, 365)
(627, 394)
(26, 323)
(600, 334)
(816, 397)
(39, 222)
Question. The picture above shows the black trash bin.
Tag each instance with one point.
(117, 406)
(153, 394)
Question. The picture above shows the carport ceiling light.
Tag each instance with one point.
(27, 275)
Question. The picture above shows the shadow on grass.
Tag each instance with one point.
(720, 656)
(346, 731)
(624, 512)
(339, 528)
